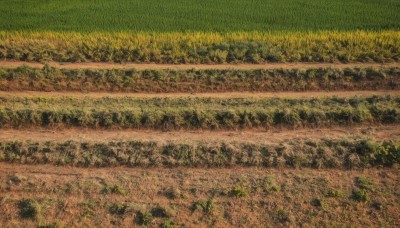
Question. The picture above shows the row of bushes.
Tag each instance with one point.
(197, 47)
(131, 80)
(196, 112)
(325, 153)
(210, 103)
(199, 119)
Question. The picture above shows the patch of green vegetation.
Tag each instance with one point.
(205, 206)
(365, 183)
(52, 225)
(318, 202)
(118, 208)
(276, 188)
(29, 209)
(144, 218)
(334, 193)
(87, 208)
(360, 195)
(283, 216)
(209, 15)
(168, 223)
(115, 189)
(160, 212)
(238, 192)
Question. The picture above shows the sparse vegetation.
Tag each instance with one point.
(132, 80)
(365, 183)
(276, 188)
(334, 193)
(115, 189)
(302, 188)
(205, 206)
(360, 195)
(238, 192)
(118, 209)
(144, 218)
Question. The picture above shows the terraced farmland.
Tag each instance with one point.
(180, 114)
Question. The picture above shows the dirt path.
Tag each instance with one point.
(256, 136)
(218, 95)
(92, 65)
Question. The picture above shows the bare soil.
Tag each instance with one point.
(93, 65)
(309, 94)
(379, 133)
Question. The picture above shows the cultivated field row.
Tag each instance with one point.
(197, 112)
(351, 148)
(202, 47)
(192, 80)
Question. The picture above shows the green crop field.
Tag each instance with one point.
(195, 15)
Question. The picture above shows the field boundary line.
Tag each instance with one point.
(153, 66)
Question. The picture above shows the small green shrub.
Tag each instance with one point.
(276, 188)
(360, 195)
(387, 154)
(144, 218)
(282, 216)
(28, 208)
(160, 212)
(238, 192)
(167, 224)
(206, 207)
(118, 208)
(113, 190)
(334, 193)
(318, 202)
(365, 183)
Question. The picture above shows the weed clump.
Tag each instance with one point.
(118, 209)
(334, 193)
(360, 195)
(365, 183)
(205, 206)
(238, 192)
(115, 189)
(144, 218)
(28, 208)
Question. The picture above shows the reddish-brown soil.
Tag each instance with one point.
(379, 133)
(194, 197)
(218, 95)
(92, 65)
